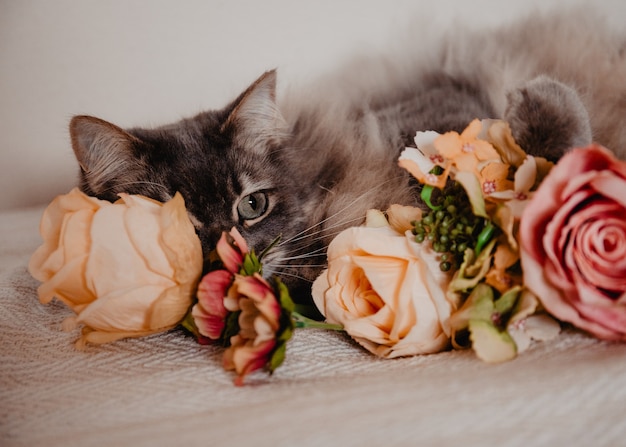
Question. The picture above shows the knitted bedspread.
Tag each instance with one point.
(168, 390)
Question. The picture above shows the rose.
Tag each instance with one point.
(386, 290)
(260, 332)
(573, 242)
(126, 269)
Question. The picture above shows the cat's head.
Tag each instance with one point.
(229, 165)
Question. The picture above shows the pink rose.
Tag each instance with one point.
(387, 291)
(127, 269)
(259, 325)
(573, 242)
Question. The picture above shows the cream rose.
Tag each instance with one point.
(126, 269)
(386, 291)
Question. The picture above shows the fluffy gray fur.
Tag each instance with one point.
(311, 164)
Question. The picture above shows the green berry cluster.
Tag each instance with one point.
(449, 225)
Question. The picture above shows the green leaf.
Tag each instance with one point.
(251, 265)
(490, 344)
(507, 301)
(478, 306)
(278, 357)
(231, 327)
(189, 324)
(284, 298)
(483, 303)
(473, 269)
(485, 236)
(286, 334)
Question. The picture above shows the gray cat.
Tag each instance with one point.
(311, 165)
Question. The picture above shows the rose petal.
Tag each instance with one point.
(401, 218)
(114, 264)
(180, 242)
(125, 309)
(589, 255)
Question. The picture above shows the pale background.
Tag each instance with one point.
(148, 62)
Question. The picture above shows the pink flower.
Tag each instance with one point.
(232, 249)
(253, 346)
(238, 307)
(209, 313)
(573, 241)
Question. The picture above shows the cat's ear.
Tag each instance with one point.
(255, 119)
(104, 153)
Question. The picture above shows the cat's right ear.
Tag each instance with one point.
(103, 151)
(255, 119)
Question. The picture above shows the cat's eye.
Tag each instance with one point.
(253, 206)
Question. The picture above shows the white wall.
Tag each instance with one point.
(147, 62)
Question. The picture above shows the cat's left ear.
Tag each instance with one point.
(255, 119)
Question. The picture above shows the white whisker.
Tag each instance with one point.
(337, 224)
(313, 254)
(304, 233)
(298, 265)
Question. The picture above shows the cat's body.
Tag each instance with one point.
(313, 164)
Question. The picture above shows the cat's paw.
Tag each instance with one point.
(547, 118)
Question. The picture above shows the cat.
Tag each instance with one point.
(311, 164)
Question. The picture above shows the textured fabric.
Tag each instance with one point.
(168, 390)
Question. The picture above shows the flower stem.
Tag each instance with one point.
(300, 321)
(426, 194)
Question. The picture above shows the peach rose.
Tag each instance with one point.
(126, 269)
(387, 291)
(573, 242)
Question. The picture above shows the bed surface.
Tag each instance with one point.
(168, 390)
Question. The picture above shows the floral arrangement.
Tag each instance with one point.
(506, 249)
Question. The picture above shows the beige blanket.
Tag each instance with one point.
(167, 390)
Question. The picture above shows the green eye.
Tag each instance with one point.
(253, 206)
